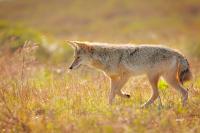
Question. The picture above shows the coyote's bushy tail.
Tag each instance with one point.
(184, 73)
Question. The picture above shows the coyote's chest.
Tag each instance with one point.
(97, 64)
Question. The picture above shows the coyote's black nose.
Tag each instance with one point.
(70, 67)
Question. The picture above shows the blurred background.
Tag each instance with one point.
(50, 22)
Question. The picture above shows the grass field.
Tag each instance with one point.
(38, 94)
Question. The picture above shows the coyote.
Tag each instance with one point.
(120, 62)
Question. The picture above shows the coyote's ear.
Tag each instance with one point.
(73, 44)
(84, 45)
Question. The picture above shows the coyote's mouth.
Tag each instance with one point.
(74, 67)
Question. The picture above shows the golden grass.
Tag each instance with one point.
(43, 98)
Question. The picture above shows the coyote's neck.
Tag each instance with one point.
(98, 58)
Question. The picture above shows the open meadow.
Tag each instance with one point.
(38, 94)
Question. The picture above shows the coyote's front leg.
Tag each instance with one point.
(116, 84)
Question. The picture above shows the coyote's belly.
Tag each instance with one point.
(148, 68)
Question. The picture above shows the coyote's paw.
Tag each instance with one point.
(125, 95)
(128, 96)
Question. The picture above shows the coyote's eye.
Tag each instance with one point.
(76, 57)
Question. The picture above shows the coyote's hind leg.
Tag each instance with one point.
(174, 82)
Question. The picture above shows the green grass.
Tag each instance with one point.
(13, 37)
(16, 35)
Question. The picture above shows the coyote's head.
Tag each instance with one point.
(82, 53)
